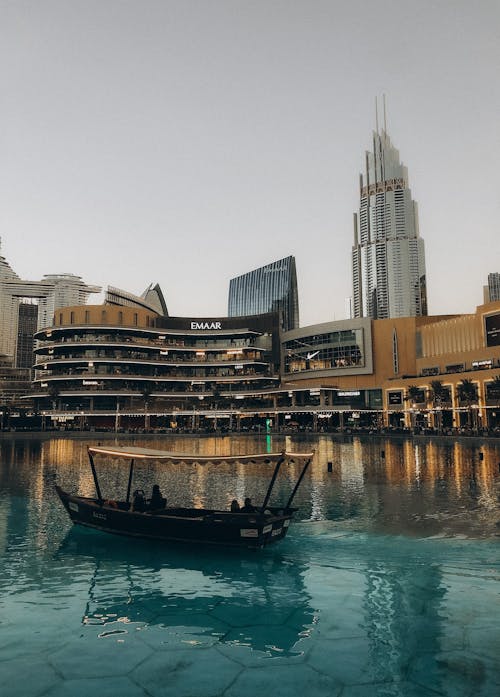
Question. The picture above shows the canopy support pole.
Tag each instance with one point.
(273, 479)
(129, 486)
(299, 480)
(94, 474)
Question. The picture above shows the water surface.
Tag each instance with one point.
(388, 584)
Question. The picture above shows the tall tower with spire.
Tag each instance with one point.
(388, 257)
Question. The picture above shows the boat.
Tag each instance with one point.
(263, 525)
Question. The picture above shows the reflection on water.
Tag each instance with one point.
(245, 600)
(386, 586)
(420, 488)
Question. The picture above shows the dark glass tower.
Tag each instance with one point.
(268, 289)
(26, 328)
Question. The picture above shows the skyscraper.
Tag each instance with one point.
(492, 290)
(388, 258)
(26, 329)
(268, 289)
(53, 291)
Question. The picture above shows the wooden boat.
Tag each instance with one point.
(263, 526)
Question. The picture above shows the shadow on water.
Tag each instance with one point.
(194, 596)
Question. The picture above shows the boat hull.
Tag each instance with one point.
(179, 524)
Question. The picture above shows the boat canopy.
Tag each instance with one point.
(150, 454)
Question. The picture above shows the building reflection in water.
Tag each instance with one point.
(403, 609)
(422, 487)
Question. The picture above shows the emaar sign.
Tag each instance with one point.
(206, 325)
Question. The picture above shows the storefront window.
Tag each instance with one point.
(343, 349)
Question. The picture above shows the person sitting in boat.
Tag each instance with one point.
(139, 501)
(157, 500)
(248, 507)
(235, 506)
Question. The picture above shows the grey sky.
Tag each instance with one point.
(188, 142)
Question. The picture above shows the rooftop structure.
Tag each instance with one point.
(151, 299)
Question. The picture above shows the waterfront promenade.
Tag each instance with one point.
(453, 435)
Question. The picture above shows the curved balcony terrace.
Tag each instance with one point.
(131, 371)
(101, 331)
(48, 348)
(240, 392)
(146, 381)
(156, 362)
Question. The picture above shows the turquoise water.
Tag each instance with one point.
(388, 584)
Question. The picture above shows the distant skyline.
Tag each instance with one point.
(187, 143)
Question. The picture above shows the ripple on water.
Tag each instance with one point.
(387, 586)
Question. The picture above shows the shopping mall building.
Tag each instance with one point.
(123, 367)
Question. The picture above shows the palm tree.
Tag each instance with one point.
(413, 395)
(467, 393)
(439, 394)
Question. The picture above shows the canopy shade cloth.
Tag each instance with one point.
(151, 454)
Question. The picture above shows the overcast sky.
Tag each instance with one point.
(188, 142)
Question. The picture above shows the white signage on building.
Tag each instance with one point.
(206, 325)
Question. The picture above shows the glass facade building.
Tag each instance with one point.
(272, 288)
(329, 349)
(493, 288)
(388, 258)
(319, 352)
(26, 328)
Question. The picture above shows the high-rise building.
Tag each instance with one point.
(492, 290)
(268, 289)
(64, 290)
(388, 258)
(53, 291)
(26, 329)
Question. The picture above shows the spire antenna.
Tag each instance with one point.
(385, 120)
(376, 115)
